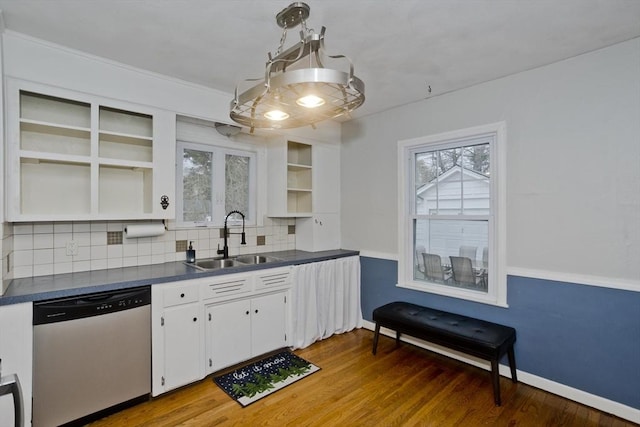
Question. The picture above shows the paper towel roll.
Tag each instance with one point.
(143, 230)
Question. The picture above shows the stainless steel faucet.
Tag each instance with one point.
(225, 249)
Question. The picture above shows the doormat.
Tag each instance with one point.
(254, 381)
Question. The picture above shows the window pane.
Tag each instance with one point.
(196, 178)
(237, 183)
(443, 239)
(475, 180)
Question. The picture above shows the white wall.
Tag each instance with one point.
(573, 164)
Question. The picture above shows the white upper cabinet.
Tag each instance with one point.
(290, 170)
(73, 156)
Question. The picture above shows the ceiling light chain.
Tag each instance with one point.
(291, 95)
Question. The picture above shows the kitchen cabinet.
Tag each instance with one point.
(16, 352)
(240, 330)
(177, 335)
(202, 325)
(290, 171)
(74, 156)
(321, 230)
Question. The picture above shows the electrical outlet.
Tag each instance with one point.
(72, 248)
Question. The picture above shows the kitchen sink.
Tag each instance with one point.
(212, 264)
(240, 260)
(254, 259)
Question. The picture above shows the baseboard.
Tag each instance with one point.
(597, 402)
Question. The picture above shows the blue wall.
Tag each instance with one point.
(585, 337)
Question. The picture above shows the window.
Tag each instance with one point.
(451, 214)
(213, 181)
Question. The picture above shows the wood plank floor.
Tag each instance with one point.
(404, 386)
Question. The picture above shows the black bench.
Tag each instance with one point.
(486, 340)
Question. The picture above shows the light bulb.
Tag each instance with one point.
(310, 101)
(276, 115)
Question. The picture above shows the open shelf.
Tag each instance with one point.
(47, 138)
(125, 190)
(57, 111)
(54, 187)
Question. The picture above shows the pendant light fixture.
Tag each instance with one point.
(298, 89)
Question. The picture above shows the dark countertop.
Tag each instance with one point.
(72, 284)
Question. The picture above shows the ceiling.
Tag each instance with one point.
(399, 48)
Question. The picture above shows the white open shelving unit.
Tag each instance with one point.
(72, 156)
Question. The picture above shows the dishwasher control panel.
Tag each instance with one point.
(96, 304)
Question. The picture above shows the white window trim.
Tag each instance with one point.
(497, 294)
(251, 219)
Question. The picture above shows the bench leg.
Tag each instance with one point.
(512, 364)
(375, 339)
(495, 378)
(397, 339)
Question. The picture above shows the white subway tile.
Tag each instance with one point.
(114, 251)
(22, 271)
(62, 227)
(98, 238)
(60, 239)
(43, 269)
(98, 264)
(42, 256)
(81, 227)
(43, 241)
(44, 227)
(23, 229)
(114, 263)
(82, 238)
(98, 252)
(22, 258)
(81, 266)
(62, 268)
(22, 242)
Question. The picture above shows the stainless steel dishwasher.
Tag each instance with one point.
(92, 355)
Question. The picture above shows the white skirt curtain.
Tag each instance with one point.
(326, 300)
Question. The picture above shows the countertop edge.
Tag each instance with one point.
(48, 287)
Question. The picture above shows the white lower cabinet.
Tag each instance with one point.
(202, 325)
(239, 330)
(177, 336)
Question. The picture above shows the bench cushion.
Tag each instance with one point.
(477, 337)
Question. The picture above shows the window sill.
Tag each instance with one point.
(448, 291)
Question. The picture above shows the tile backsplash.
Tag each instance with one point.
(39, 249)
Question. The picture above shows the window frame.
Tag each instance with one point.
(497, 286)
(218, 175)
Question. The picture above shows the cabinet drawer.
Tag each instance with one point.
(228, 285)
(273, 278)
(180, 294)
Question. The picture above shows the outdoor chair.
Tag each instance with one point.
(434, 269)
(463, 272)
(468, 252)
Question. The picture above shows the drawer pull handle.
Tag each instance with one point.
(247, 312)
(182, 295)
(195, 319)
(256, 310)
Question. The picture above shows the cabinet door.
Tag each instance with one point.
(16, 349)
(268, 323)
(228, 334)
(182, 351)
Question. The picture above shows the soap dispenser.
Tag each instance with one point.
(191, 253)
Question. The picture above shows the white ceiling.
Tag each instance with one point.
(398, 47)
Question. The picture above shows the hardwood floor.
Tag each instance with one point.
(404, 386)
